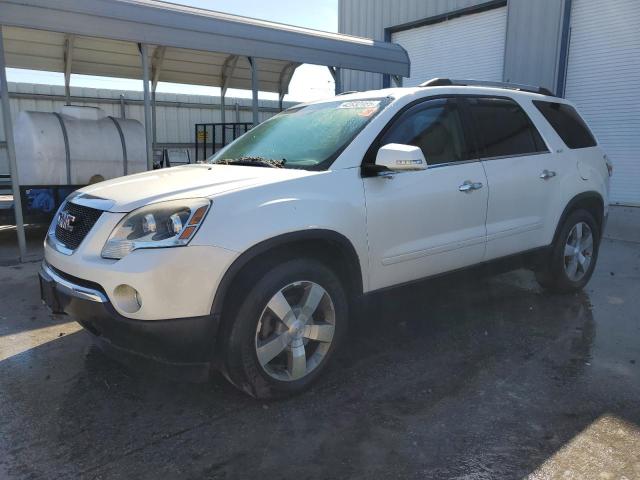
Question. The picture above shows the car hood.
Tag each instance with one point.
(125, 194)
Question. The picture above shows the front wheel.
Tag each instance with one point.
(286, 328)
(573, 255)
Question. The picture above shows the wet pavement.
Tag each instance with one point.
(468, 378)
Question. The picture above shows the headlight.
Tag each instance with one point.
(161, 225)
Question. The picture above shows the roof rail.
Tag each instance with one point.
(441, 82)
(346, 93)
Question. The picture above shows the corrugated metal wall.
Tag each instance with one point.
(369, 18)
(533, 32)
(603, 76)
(533, 42)
(176, 114)
(482, 58)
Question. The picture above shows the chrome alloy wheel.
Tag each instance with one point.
(295, 331)
(578, 251)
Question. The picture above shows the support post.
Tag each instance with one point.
(335, 73)
(254, 89)
(68, 59)
(223, 117)
(156, 68)
(283, 82)
(223, 113)
(228, 68)
(153, 116)
(11, 153)
(123, 112)
(147, 104)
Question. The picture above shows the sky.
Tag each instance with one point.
(310, 82)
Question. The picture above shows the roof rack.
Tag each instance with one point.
(441, 82)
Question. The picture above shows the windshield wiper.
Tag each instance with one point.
(253, 162)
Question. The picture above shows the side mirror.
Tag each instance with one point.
(400, 158)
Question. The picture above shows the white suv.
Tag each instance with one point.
(252, 263)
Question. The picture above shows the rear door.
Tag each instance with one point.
(422, 223)
(521, 174)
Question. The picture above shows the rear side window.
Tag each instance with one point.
(504, 129)
(567, 123)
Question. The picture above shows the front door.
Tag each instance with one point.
(422, 223)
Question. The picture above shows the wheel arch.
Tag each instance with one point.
(322, 244)
(590, 201)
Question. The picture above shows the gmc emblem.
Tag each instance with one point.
(66, 221)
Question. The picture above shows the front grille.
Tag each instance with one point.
(84, 220)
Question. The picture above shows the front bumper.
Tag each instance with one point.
(178, 282)
(183, 346)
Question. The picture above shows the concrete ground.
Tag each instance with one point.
(467, 378)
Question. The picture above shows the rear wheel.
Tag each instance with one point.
(572, 259)
(286, 328)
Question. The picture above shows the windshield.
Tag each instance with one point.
(309, 137)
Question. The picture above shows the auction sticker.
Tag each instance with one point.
(360, 104)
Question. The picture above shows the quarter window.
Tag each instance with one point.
(436, 127)
(504, 129)
(567, 123)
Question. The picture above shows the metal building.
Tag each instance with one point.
(585, 50)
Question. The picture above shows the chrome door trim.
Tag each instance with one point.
(452, 164)
(501, 157)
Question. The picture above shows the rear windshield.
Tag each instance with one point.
(308, 137)
(567, 123)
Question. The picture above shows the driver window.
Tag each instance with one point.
(434, 126)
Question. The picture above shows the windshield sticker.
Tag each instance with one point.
(367, 112)
(361, 104)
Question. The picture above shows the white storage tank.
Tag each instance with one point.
(78, 146)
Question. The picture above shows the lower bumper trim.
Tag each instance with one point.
(64, 285)
(176, 343)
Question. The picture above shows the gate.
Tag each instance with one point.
(211, 137)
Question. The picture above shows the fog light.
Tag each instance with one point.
(127, 298)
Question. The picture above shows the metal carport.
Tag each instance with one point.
(157, 41)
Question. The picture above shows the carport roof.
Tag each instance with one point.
(187, 45)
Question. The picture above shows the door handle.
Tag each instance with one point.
(469, 186)
(547, 174)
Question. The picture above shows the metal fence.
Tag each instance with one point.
(210, 137)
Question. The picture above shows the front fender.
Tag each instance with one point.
(331, 201)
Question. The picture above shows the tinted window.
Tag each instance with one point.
(504, 129)
(567, 123)
(434, 126)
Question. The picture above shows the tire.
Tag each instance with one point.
(261, 324)
(556, 273)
